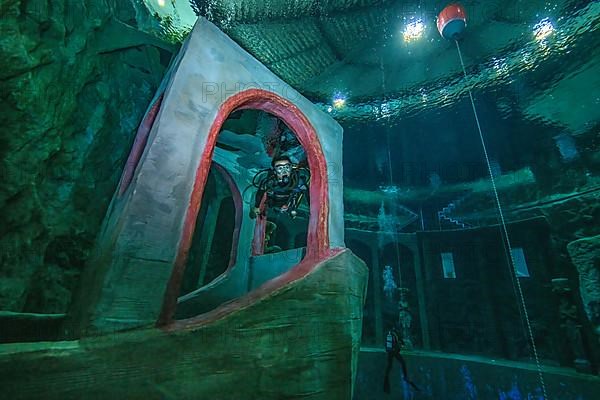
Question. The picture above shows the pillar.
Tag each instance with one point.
(421, 298)
(377, 292)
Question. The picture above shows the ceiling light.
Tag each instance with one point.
(543, 29)
(339, 101)
(413, 31)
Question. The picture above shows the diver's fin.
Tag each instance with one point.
(386, 384)
(415, 387)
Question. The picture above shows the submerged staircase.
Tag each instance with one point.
(445, 217)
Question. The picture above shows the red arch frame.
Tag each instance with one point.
(318, 226)
(139, 144)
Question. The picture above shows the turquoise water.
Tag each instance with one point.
(481, 241)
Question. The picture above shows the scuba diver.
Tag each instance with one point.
(393, 346)
(285, 185)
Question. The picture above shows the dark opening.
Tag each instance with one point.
(213, 237)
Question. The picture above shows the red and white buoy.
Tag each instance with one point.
(452, 21)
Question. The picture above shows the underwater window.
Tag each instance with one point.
(448, 265)
(520, 263)
(211, 248)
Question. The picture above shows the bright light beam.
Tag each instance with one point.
(339, 101)
(413, 31)
(543, 29)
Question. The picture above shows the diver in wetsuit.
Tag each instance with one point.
(393, 346)
(284, 184)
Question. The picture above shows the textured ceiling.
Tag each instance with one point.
(355, 48)
(321, 47)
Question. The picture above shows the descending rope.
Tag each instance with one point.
(394, 232)
(389, 154)
(504, 231)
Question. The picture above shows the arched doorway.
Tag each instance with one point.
(318, 226)
(214, 244)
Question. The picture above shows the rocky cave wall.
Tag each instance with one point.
(75, 80)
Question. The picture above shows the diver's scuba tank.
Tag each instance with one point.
(389, 342)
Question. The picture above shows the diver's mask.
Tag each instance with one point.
(283, 172)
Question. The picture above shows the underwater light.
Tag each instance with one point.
(543, 29)
(392, 189)
(413, 31)
(161, 3)
(339, 101)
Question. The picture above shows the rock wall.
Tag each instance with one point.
(585, 254)
(75, 80)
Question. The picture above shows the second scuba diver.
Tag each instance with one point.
(393, 346)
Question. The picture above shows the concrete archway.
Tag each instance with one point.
(294, 118)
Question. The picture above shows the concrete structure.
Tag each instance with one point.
(135, 276)
(298, 340)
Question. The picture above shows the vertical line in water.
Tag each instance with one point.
(504, 231)
(387, 134)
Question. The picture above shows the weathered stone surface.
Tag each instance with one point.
(67, 120)
(301, 341)
(585, 254)
(152, 219)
